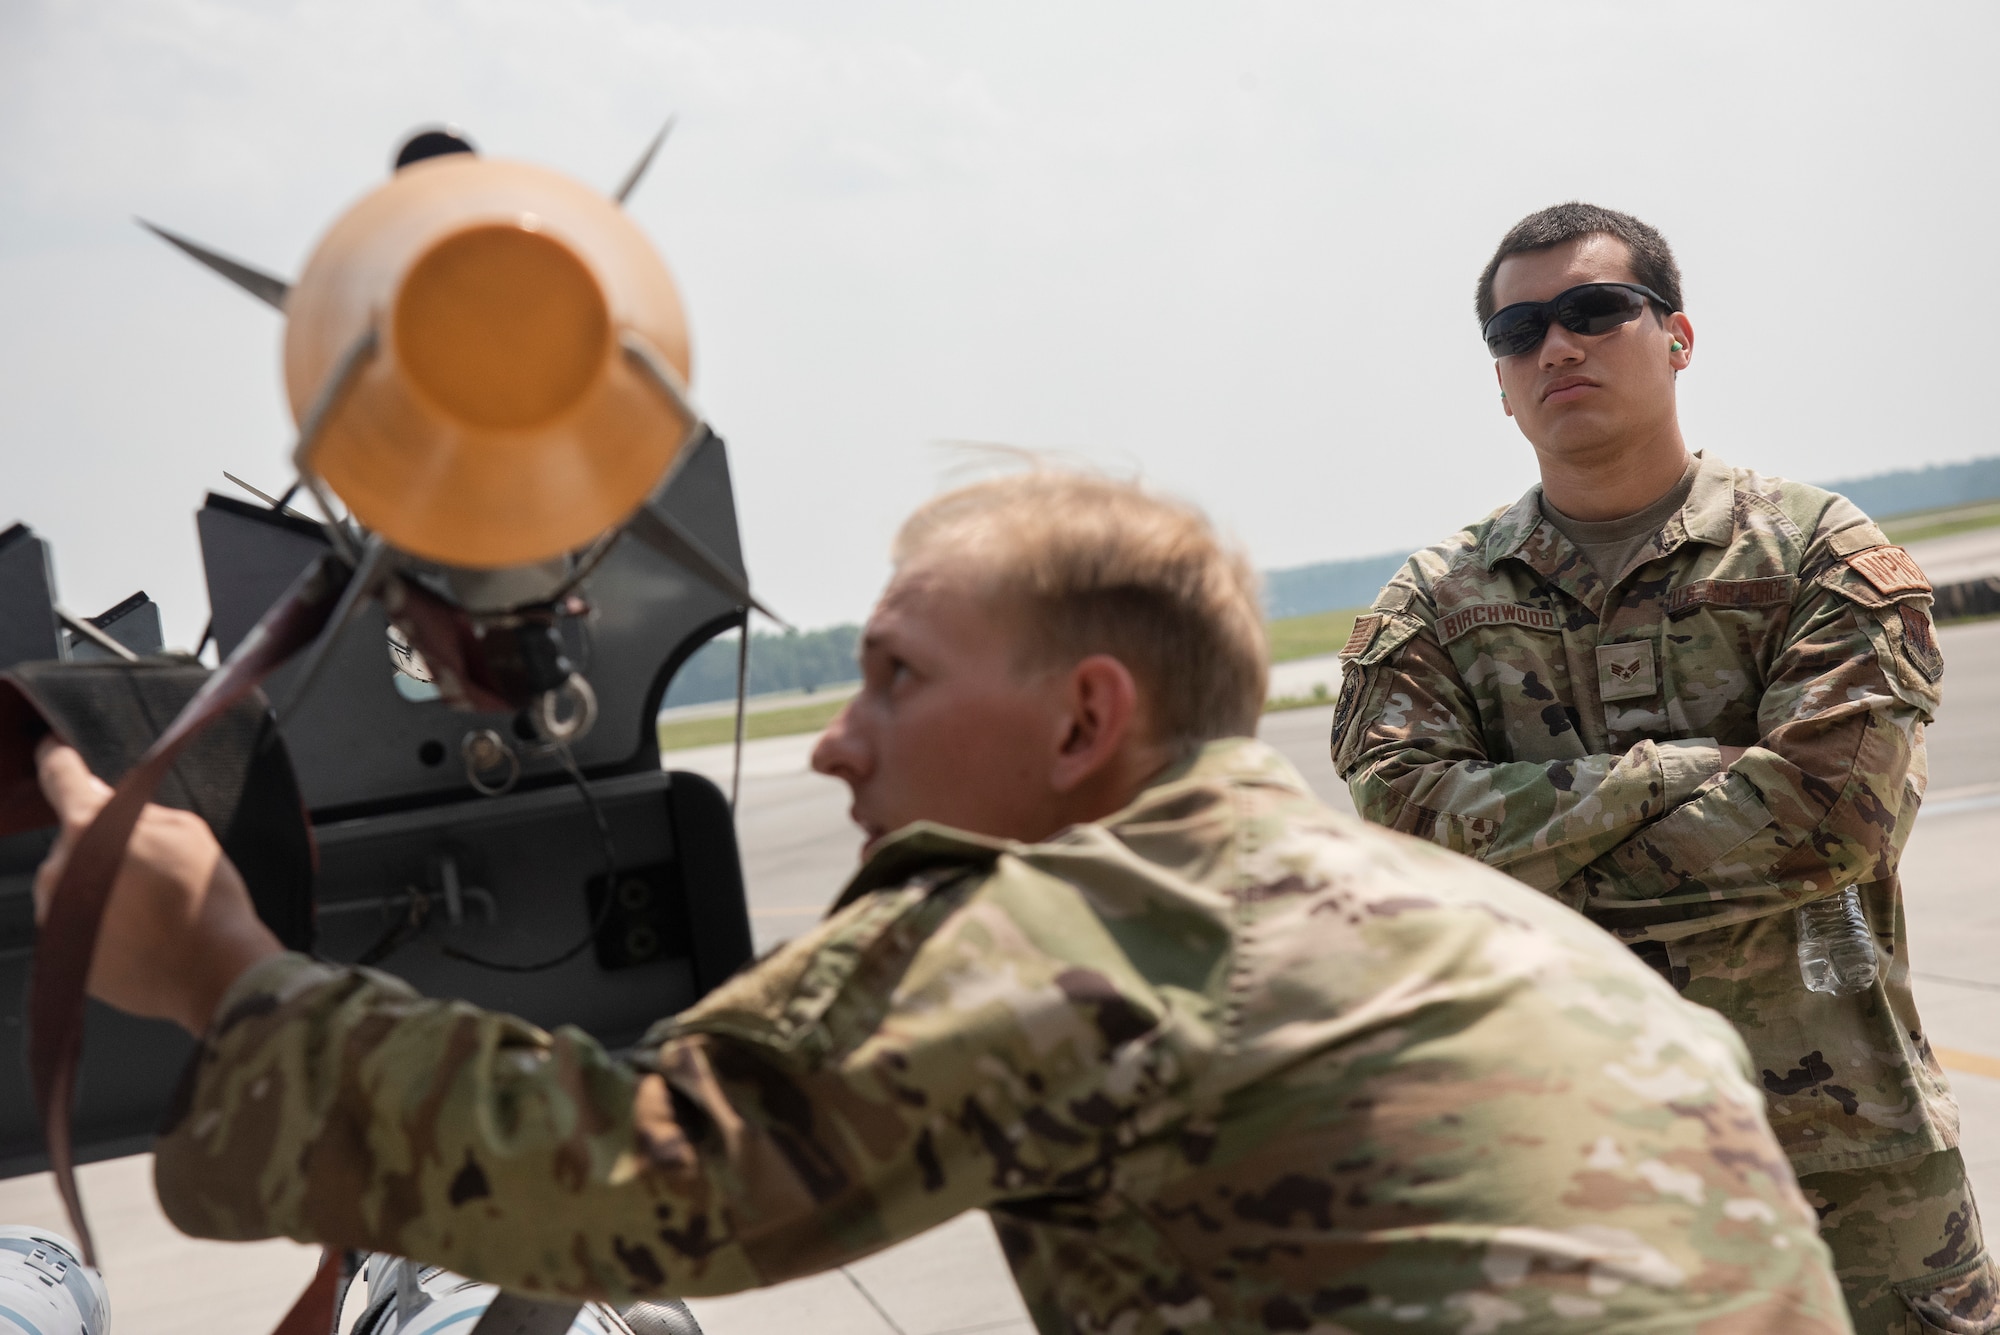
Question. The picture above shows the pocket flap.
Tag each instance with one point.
(1963, 1300)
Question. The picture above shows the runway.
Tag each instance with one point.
(797, 850)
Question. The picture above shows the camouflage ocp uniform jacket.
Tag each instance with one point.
(1502, 700)
(1224, 1061)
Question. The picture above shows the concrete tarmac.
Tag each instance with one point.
(797, 850)
(1958, 556)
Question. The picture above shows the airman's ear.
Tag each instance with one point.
(1680, 341)
(1101, 713)
(1505, 406)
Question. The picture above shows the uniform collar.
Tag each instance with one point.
(1228, 760)
(1708, 516)
(926, 846)
(1523, 533)
(1512, 529)
(1710, 513)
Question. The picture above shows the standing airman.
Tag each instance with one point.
(1686, 699)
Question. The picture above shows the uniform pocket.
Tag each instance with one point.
(1964, 1300)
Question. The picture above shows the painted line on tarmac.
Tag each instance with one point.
(1957, 801)
(1969, 1063)
(1978, 983)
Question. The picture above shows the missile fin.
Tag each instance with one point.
(270, 290)
(631, 181)
(665, 535)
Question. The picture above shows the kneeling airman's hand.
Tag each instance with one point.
(179, 927)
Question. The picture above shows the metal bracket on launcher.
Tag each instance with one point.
(656, 528)
(371, 568)
(330, 394)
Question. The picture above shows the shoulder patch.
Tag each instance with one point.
(1921, 643)
(1362, 635)
(1891, 570)
(1456, 623)
(1343, 711)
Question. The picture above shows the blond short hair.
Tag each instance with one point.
(1103, 567)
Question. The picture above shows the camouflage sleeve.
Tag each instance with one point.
(860, 1085)
(1826, 798)
(1407, 740)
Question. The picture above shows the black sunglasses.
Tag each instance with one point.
(1591, 308)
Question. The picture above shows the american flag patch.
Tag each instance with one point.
(1362, 635)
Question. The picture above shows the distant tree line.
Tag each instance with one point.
(787, 661)
(806, 661)
(1331, 586)
(1328, 586)
(1932, 488)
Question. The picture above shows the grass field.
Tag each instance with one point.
(679, 734)
(1292, 638)
(1311, 636)
(1322, 694)
(1941, 523)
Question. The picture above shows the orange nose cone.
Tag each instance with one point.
(498, 422)
(502, 327)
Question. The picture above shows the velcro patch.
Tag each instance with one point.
(1362, 635)
(1891, 570)
(1773, 592)
(1921, 643)
(1454, 624)
(1625, 671)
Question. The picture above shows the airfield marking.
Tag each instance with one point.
(1952, 801)
(1970, 1063)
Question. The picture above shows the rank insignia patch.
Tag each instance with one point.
(1625, 671)
(1891, 570)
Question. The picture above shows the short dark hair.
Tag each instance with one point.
(1652, 258)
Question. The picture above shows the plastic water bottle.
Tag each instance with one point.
(1836, 949)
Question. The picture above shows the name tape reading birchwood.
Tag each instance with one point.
(1454, 624)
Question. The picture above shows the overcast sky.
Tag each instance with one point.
(1228, 247)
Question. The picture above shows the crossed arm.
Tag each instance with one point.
(1669, 838)
(1415, 760)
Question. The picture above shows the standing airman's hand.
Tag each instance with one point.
(179, 927)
